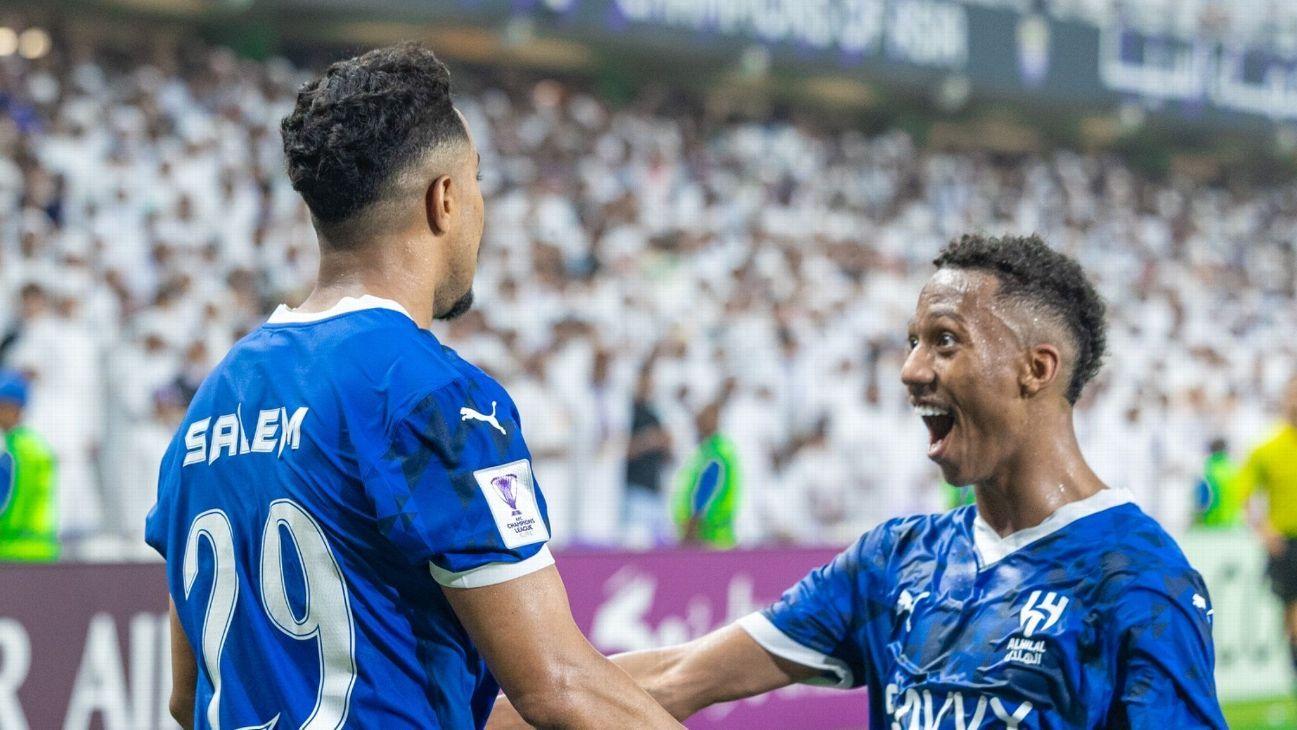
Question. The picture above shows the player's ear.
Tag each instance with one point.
(439, 204)
(1041, 368)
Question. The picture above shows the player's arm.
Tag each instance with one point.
(724, 665)
(552, 676)
(1166, 666)
(802, 637)
(184, 673)
(1247, 482)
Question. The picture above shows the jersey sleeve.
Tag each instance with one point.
(1166, 664)
(157, 525)
(815, 623)
(454, 488)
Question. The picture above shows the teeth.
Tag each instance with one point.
(927, 411)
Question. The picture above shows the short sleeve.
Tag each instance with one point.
(815, 623)
(158, 522)
(1166, 662)
(454, 488)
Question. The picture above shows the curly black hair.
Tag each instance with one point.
(1029, 270)
(362, 123)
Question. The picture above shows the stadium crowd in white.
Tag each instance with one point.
(146, 224)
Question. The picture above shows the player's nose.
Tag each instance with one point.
(917, 373)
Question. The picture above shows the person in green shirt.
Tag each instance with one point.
(1218, 505)
(28, 515)
(707, 499)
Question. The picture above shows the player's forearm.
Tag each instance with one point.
(722, 666)
(589, 698)
(661, 673)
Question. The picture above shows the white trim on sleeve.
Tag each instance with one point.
(781, 645)
(492, 573)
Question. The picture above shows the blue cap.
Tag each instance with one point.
(13, 387)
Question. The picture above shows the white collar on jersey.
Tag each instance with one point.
(345, 305)
(992, 548)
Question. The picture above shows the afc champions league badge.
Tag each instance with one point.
(507, 486)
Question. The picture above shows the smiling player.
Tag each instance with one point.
(1053, 602)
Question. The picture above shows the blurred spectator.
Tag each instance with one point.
(707, 499)
(647, 456)
(1218, 503)
(1271, 470)
(763, 252)
(28, 502)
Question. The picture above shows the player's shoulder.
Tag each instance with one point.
(900, 536)
(1278, 442)
(375, 355)
(1137, 559)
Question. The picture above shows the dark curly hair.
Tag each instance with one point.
(362, 123)
(1030, 271)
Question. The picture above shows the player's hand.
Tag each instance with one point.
(1275, 544)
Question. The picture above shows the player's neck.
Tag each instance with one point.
(376, 270)
(1047, 472)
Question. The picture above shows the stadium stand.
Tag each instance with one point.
(145, 225)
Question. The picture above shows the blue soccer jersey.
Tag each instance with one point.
(332, 474)
(1092, 619)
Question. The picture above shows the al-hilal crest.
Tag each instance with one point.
(507, 486)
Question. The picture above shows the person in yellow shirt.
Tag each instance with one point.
(1271, 470)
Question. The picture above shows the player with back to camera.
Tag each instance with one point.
(1052, 602)
(352, 531)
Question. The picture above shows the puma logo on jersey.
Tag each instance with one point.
(905, 605)
(468, 414)
(276, 429)
(1200, 603)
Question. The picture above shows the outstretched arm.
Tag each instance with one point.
(727, 664)
(551, 674)
(724, 665)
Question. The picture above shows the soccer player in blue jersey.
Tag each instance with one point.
(353, 533)
(1052, 602)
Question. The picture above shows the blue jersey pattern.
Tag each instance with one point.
(332, 474)
(1094, 619)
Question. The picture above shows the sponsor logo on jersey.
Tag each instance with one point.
(925, 708)
(209, 439)
(469, 414)
(905, 605)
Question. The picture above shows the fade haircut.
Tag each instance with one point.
(356, 129)
(1031, 272)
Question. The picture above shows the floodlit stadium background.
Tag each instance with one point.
(697, 200)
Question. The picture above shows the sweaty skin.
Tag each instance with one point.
(1002, 370)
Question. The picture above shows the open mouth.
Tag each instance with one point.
(940, 422)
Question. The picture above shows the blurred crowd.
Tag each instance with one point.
(646, 278)
(1268, 24)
